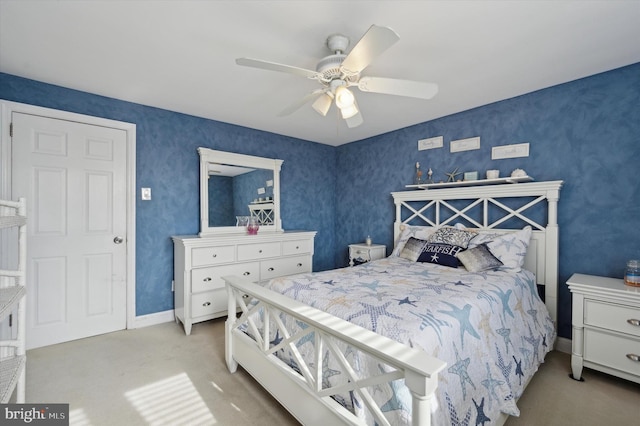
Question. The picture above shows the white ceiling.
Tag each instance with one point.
(180, 55)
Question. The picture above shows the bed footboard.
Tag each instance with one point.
(303, 390)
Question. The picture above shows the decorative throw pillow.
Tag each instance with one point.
(452, 236)
(478, 259)
(419, 232)
(412, 249)
(511, 248)
(440, 254)
(482, 237)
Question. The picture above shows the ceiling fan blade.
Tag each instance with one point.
(273, 66)
(392, 86)
(296, 105)
(372, 44)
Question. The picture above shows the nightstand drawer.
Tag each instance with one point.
(611, 351)
(612, 317)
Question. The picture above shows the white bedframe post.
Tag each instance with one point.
(551, 253)
(229, 326)
(422, 389)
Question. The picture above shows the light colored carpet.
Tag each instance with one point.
(158, 375)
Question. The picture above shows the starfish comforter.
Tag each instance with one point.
(490, 327)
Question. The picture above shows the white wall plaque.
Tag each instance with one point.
(465, 144)
(510, 151)
(430, 143)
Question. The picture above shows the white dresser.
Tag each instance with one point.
(200, 262)
(606, 326)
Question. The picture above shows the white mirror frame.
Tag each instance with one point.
(208, 156)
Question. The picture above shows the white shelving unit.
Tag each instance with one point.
(263, 210)
(13, 301)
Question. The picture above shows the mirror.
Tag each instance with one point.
(234, 187)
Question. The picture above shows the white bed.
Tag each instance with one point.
(305, 390)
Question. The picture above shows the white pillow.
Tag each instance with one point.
(511, 248)
(419, 232)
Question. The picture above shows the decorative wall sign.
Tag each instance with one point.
(430, 143)
(510, 151)
(465, 144)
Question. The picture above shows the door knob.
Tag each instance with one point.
(118, 240)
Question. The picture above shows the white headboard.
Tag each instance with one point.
(489, 208)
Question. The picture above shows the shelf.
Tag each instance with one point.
(8, 221)
(478, 182)
(11, 369)
(9, 298)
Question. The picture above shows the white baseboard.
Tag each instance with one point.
(563, 345)
(153, 319)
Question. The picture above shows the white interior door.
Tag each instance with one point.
(74, 178)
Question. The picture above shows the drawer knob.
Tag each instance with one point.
(246, 274)
(299, 265)
(206, 304)
(297, 247)
(271, 269)
(215, 255)
(207, 279)
(634, 357)
(635, 322)
(259, 251)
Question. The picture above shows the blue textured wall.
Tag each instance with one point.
(168, 162)
(586, 132)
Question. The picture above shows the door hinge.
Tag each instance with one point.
(10, 130)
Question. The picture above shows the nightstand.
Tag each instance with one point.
(606, 326)
(362, 253)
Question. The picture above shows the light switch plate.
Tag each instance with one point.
(145, 193)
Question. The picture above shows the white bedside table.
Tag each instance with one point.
(364, 253)
(606, 326)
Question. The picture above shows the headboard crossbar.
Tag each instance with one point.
(438, 207)
(454, 213)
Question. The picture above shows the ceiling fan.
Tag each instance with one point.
(340, 71)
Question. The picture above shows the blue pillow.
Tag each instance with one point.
(440, 254)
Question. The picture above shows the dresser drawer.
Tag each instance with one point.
(611, 351)
(285, 266)
(296, 247)
(208, 303)
(204, 256)
(611, 316)
(258, 251)
(205, 279)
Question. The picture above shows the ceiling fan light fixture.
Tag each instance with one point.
(349, 111)
(322, 104)
(344, 97)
